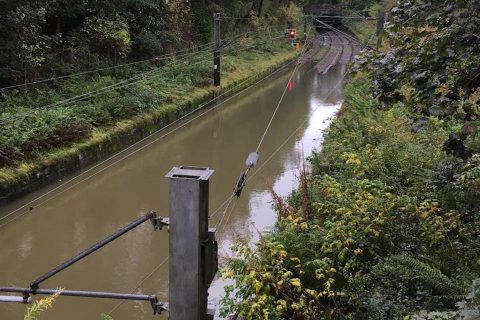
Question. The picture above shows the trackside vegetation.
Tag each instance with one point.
(386, 225)
(49, 125)
(36, 139)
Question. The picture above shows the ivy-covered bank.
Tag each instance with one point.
(47, 150)
(387, 223)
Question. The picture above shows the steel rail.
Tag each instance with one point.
(15, 299)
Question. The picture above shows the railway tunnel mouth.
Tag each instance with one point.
(330, 14)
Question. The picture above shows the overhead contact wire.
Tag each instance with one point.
(83, 96)
(134, 145)
(118, 85)
(240, 184)
(161, 57)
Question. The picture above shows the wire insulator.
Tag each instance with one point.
(252, 160)
(237, 191)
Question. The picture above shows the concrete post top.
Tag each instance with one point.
(190, 173)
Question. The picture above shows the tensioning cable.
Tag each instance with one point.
(128, 82)
(54, 192)
(272, 155)
(253, 157)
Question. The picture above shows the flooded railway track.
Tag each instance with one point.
(74, 220)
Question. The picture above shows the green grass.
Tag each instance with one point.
(178, 94)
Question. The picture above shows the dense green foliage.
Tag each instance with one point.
(27, 133)
(387, 225)
(47, 38)
(432, 63)
(118, 41)
(43, 39)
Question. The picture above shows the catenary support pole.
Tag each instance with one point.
(190, 252)
(380, 26)
(304, 29)
(216, 50)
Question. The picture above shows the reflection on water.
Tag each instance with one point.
(64, 226)
(281, 176)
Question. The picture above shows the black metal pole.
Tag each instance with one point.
(216, 50)
(304, 29)
(35, 283)
(85, 294)
(380, 24)
(216, 70)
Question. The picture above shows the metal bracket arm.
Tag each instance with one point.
(158, 307)
(35, 283)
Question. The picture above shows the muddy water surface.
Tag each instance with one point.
(70, 222)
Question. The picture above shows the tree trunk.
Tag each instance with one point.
(58, 27)
(25, 75)
(260, 6)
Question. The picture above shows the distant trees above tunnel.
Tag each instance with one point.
(43, 38)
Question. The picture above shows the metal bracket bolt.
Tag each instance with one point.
(159, 222)
(158, 307)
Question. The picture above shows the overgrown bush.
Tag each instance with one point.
(375, 240)
(432, 64)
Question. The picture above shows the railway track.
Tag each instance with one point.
(341, 50)
(347, 52)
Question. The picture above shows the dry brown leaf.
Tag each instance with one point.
(443, 89)
(475, 96)
(427, 29)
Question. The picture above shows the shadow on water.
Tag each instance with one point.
(66, 225)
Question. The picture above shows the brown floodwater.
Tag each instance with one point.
(71, 221)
